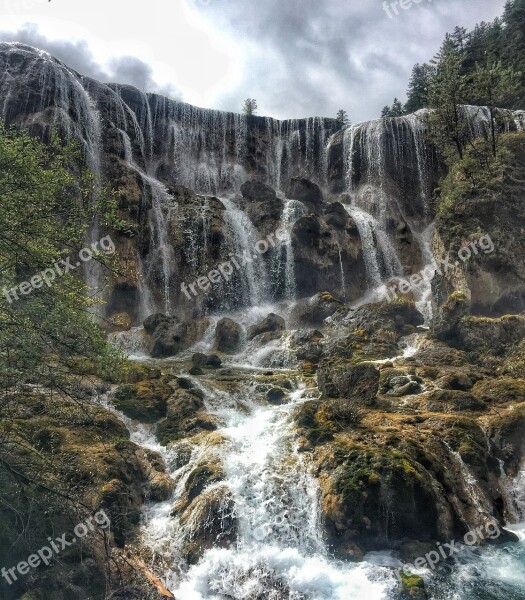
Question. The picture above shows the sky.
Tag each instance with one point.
(297, 58)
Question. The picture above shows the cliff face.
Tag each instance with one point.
(179, 171)
(151, 148)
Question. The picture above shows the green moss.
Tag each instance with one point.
(315, 428)
(145, 401)
(413, 586)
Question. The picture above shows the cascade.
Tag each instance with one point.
(243, 238)
(283, 267)
(273, 503)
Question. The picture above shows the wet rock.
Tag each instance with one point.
(484, 335)
(209, 522)
(145, 401)
(306, 192)
(276, 396)
(342, 380)
(271, 324)
(307, 344)
(161, 487)
(130, 593)
(199, 359)
(446, 322)
(455, 380)
(228, 336)
(400, 318)
(186, 416)
(261, 204)
(500, 391)
(313, 311)
(169, 336)
(397, 383)
(453, 400)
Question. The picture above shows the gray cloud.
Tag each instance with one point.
(78, 56)
(305, 57)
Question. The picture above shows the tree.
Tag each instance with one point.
(250, 106)
(447, 123)
(396, 110)
(46, 204)
(495, 87)
(417, 92)
(342, 118)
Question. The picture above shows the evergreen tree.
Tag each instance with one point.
(495, 87)
(342, 118)
(250, 107)
(418, 87)
(396, 110)
(446, 95)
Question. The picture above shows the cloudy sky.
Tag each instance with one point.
(296, 57)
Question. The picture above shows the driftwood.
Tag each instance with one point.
(153, 578)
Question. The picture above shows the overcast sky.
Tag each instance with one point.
(296, 57)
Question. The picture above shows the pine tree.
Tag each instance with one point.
(495, 87)
(342, 118)
(446, 95)
(396, 110)
(250, 107)
(418, 87)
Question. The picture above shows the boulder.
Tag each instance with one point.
(262, 206)
(228, 336)
(257, 191)
(169, 336)
(276, 396)
(342, 380)
(271, 324)
(313, 311)
(306, 192)
(400, 318)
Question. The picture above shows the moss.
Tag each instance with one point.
(196, 371)
(145, 401)
(468, 438)
(315, 427)
(413, 587)
(500, 391)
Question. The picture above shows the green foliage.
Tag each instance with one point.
(447, 125)
(396, 110)
(46, 204)
(47, 201)
(487, 59)
(342, 118)
(249, 107)
(418, 87)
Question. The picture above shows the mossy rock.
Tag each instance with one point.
(454, 400)
(315, 429)
(500, 391)
(145, 401)
(413, 587)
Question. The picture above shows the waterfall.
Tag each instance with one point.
(159, 217)
(283, 268)
(161, 254)
(342, 270)
(279, 546)
(243, 238)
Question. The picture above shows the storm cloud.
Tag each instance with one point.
(312, 57)
(78, 56)
(296, 57)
